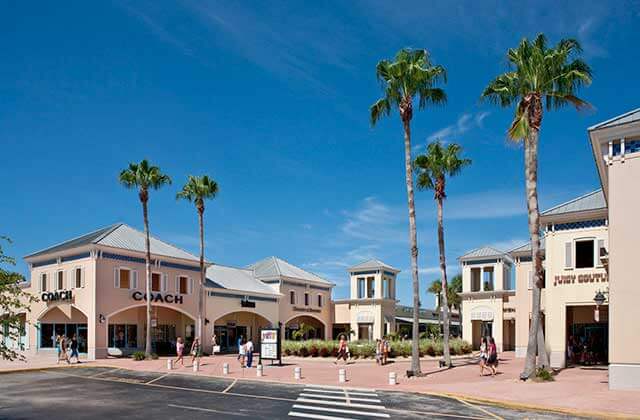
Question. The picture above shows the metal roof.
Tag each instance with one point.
(272, 267)
(120, 236)
(483, 252)
(527, 247)
(591, 201)
(224, 277)
(626, 118)
(371, 265)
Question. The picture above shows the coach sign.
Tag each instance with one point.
(157, 297)
(55, 296)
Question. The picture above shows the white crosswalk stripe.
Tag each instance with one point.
(334, 403)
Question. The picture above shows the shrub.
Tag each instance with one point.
(314, 351)
(138, 355)
(324, 351)
(544, 375)
(153, 356)
(303, 352)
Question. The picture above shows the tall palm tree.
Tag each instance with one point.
(538, 74)
(410, 74)
(144, 176)
(436, 289)
(433, 168)
(196, 190)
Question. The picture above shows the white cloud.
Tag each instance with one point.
(485, 205)
(374, 221)
(588, 39)
(464, 123)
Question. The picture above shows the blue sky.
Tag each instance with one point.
(271, 99)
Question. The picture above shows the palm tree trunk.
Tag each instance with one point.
(200, 326)
(413, 240)
(445, 300)
(535, 344)
(147, 242)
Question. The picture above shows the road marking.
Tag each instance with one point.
(337, 397)
(156, 379)
(340, 388)
(103, 372)
(340, 404)
(489, 413)
(433, 413)
(209, 410)
(316, 416)
(230, 386)
(330, 391)
(339, 410)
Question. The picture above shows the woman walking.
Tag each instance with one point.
(378, 351)
(242, 352)
(483, 355)
(58, 348)
(196, 351)
(63, 349)
(342, 350)
(179, 352)
(493, 357)
(74, 349)
(386, 348)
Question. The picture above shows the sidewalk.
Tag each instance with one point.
(579, 390)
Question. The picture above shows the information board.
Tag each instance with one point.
(269, 344)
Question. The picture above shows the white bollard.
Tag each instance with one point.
(393, 378)
(225, 368)
(259, 371)
(169, 364)
(297, 373)
(196, 365)
(342, 375)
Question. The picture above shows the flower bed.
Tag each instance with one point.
(367, 349)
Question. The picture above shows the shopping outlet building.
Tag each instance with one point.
(590, 249)
(93, 286)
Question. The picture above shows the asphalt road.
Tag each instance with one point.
(95, 393)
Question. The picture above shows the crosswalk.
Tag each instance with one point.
(335, 403)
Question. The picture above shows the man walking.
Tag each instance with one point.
(249, 351)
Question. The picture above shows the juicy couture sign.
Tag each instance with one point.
(157, 297)
(580, 278)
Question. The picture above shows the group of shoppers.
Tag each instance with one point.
(383, 348)
(245, 352)
(67, 348)
(488, 356)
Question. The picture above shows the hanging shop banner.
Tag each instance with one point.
(270, 344)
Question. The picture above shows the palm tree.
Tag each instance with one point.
(433, 168)
(436, 289)
(196, 190)
(144, 177)
(538, 74)
(410, 74)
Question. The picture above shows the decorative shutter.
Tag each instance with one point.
(530, 280)
(134, 279)
(568, 255)
(600, 246)
(71, 279)
(116, 278)
(165, 281)
(177, 285)
(190, 284)
(42, 288)
(82, 277)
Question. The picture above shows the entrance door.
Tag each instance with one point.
(487, 329)
(82, 338)
(163, 339)
(241, 332)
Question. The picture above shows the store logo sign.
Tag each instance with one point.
(157, 297)
(55, 296)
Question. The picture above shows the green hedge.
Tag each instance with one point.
(367, 349)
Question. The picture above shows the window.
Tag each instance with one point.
(371, 286)
(475, 279)
(320, 301)
(585, 253)
(360, 287)
(59, 280)
(385, 288)
(156, 280)
(183, 285)
(306, 299)
(292, 297)
(43, 282)
(125, 279)
(487, 278)
(77, 277)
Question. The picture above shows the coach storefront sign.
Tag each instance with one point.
(56, 296)
(580, 278)
(157, 297)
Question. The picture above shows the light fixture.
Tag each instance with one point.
(101, 319)
(599, 298)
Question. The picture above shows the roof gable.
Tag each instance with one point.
(371, 265)
(483, 252)
(590, 201)
(276, 267)
(626, 118)
(224, 277)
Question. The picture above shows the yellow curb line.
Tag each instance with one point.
(526, 406)
(31, 369)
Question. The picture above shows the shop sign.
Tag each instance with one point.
(580, 278)
(299, 309)
(247, 304)
(157, 297)
(482, 315)
(270, 344)
(55, 296)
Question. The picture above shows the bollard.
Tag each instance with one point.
(196, 365)
(259, 371)
(297, 373)
(342, 375)
(225, 368)
(169, 364)
(393, 378)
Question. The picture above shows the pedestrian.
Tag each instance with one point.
(343, 350)
(240, 340)
(483, 355)
(242, 352)
(63, 349)
(378, 351)
(179, 352)
(386, 348)
(74, 349)
(249, 352)
(214, 344)
(58, 348)
(196, 351)
(492, 361)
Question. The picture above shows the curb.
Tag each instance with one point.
(32, 369)
(526, 406)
